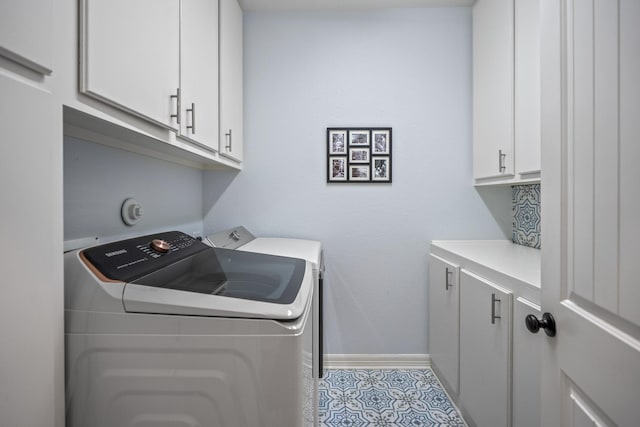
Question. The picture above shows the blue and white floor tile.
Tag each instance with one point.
(385, 398)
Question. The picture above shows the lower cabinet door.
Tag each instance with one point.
(485, 351)
(526, 366)
(444, 292)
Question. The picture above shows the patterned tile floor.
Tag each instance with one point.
(385, 398)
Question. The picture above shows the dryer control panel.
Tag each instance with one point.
(128, 260)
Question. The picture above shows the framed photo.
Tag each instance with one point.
(337, 168)
(337, 141)
(359, 137)
(381, 169)
(381, 139)
(359, 155)
(359, 172)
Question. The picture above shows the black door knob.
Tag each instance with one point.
(547, 323)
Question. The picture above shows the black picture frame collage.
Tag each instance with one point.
(359, 155)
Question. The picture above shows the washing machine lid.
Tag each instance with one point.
(224, 283)
(310, 250)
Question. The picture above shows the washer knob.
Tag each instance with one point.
(160, 245)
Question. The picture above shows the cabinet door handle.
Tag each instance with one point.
(501, 166)
(447, 282)
(177, 114)
(493, 309)
(193, 118)
(229, 139)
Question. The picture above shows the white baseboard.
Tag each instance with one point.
(376, 361)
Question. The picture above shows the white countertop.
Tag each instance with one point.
(519, 262)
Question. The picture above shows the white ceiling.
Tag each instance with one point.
(252, 5)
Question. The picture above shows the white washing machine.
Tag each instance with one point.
(310, 250)
(163, 330)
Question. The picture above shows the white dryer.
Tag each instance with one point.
(163, 330)
(310, 250)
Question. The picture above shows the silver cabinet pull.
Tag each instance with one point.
(447, 282)
(193, 118)
(177, 114)
(229, 145)
(501, 166)
(493, 308)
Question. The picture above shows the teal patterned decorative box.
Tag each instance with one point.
(526, 215)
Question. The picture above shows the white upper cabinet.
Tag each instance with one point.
(506, 91)
(130, 56)
(493, 89)
(527, 88)
(199, 72)
(163, 69)
(231, 74)
(26, 33)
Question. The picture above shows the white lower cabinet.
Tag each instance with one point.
(444, 302)
(485, 351)
(526, 366)
(480, 293)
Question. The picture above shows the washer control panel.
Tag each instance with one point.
(128, 260)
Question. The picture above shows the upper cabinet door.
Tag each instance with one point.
(493, 80)
(231, 75)
(130, 56)
(527, 87)
(199, 72)
(26, 33)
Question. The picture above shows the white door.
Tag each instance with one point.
(31, 309)
(26, 29)
(591, 178)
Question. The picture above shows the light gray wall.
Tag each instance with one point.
(408, 69)
(97, 180)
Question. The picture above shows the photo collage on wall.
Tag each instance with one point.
(361, 155)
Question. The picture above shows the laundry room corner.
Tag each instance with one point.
(308, 71)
